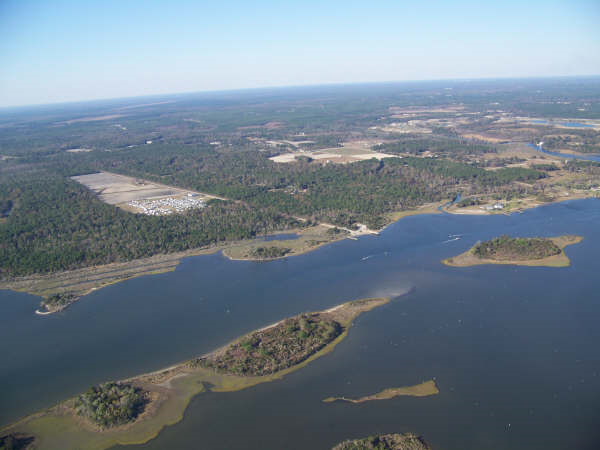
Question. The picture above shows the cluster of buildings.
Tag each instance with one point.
(167, 205)
(495, 207)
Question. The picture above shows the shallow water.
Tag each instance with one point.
(576, 125)
(590, 157)
(513, 349)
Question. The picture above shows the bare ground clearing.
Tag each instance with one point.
(350, 152)
(94, 119)
(119, 190)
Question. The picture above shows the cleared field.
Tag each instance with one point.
(412, 126)
(339, 155)
(94, 119)
(140, 196)
(114, 189)
(481, 137)
(420, 110)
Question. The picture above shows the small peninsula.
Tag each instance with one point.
(134, 411)
(424, 389)
(543, 252)
(407, 441)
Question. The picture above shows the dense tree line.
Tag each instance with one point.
(455, 147)
(58, 224)
(341, 194)
(200, 142)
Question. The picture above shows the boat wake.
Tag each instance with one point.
(451, 240)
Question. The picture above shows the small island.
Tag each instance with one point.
(134, 411)
(275, 348)
(396, 441)
(545, 252)
(418, 390)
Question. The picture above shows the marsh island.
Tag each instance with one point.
(418, 390)
(520, 251)
(135, 410)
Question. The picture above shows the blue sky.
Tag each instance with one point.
(74, 50)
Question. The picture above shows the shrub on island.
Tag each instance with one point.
(507, 248)
(396, 441)
(276, 348)
(111, 404)
(270, 252)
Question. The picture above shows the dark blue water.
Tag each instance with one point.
(566, 155)
(514, 350)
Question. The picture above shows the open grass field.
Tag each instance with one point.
(115, 189)
(350, 152)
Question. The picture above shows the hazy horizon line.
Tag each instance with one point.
(290, 86)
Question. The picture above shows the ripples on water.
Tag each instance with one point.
(506, 345)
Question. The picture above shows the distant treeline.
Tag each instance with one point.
(208, 143)
(57, 224)
(455, 147)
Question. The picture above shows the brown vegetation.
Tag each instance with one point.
(276, 348)
(396, 441)
(419, 390)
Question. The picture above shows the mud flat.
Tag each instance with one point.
(171, 390)
(468, 258)
(424, 389)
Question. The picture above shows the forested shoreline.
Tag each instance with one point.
(222, 146)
